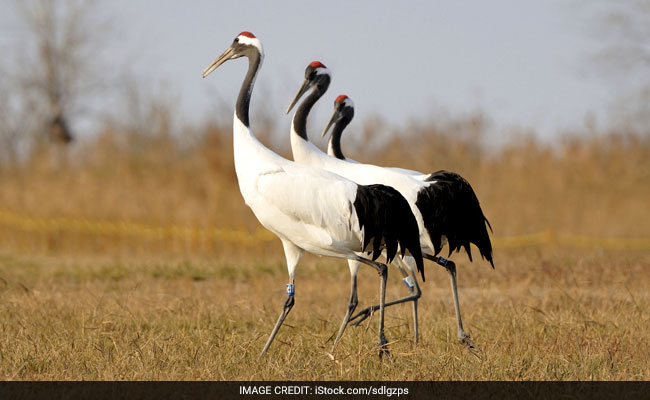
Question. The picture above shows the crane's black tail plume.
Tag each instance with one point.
(450, 208)
(387, 219)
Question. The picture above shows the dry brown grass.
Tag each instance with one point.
(540, 315)
(590, 185)
(78, 307)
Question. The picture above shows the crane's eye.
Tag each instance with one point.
(236, 40)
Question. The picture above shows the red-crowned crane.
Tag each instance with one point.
(443, 203)
(311, 209)
(458, 198)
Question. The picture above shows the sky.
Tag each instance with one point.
(523, 63)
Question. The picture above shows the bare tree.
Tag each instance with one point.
(14, 122)
(56, 65)
(8, 132)
(624, 28)
(626, 37)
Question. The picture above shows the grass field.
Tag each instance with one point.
(550, 315)
(101, 306)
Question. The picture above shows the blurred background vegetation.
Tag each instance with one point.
(175, 183)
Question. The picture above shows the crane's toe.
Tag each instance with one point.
(468, 343)
(383, 347)
(361, 316)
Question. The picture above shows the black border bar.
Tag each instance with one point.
(324, 390)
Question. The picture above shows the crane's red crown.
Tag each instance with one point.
(247, 34)
(317, 64)
(341, 98)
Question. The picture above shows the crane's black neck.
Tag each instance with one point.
(244, 99)
(335, 139)
(300, 119)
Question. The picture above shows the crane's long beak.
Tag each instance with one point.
(306, 84)
(336, 116)
(227, 55)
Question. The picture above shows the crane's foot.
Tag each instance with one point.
(383, 347)
(468, 343)
(362, 315)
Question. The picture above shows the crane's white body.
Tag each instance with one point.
(413, 174)
(402, 171)
(306, 152)
(463, 203)
(319, 217)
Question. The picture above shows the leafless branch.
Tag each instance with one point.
(56, 64)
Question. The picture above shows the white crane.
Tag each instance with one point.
(457, 198)
(308, 208)
(443, 203)
(316, 70)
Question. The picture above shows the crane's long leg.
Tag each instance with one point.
(382, 269)
(414, 294)
(366, 312)
(450, 266)
(293, 254)
(286, 307)
(414, 290)
(352, 304)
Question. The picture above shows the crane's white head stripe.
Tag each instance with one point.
(323, 71)
(252, 41)
(319, 67)
(345, 100)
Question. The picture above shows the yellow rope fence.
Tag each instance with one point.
(62, 232)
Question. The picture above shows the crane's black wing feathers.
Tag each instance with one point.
(450, 207)
(387, 220)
